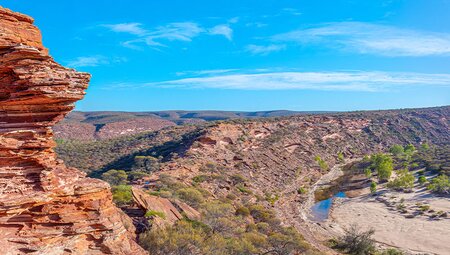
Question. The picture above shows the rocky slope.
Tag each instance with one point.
(271, 158)
(46, 207)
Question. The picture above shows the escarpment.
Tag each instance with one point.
(46, 207)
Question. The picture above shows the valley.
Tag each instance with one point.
(284, 164)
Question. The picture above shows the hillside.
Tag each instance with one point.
(86, 126)
(264, 161)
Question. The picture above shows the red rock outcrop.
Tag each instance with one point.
(46, 207)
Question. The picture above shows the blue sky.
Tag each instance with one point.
(251, 54)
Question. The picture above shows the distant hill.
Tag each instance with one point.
(110, 124)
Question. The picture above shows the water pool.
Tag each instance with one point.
(321, 209)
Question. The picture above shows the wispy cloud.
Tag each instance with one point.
(256, 24)
(367, 38)
(131, 28)
(233, 20)
(224, 30)
(332, 81)
(93, 61)
(160, 36)
(264, 49)
(205, 72)
(292, 11)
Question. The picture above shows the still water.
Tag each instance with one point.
(321, 209)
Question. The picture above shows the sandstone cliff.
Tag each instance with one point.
(46, 207)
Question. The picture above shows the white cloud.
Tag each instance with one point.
(131, 28)
(93, 61)
(256, 24)
(333, 81)
(233, 20)
(367, 38)
(264, 49)
(224, 30)
(205, 72)
(292, 11)
(160, 36)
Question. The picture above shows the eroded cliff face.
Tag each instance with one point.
(46, 207)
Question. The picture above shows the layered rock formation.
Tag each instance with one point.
(46, 207)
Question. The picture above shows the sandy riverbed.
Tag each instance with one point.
(409, 229)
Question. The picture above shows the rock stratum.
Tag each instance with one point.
(46, 207)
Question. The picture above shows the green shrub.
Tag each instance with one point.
(115, 177)
(356, 242)
(373, 187)
(440, 184)
(122, 195)
(243, 189)
(392, 251)
(272, 198)
(404, 180)
(190, 195)
(422, 179)
(302, 190)
(237, 179)
(425, 146)
(424, 208)
(242, 211)
(147, 164)
(368, 173)
(341, 157)
(199, 178)
(397, 150)
(409, 149)
(322, 164)
(152, 214)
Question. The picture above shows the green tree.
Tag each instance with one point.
(368, 172)
(147, 164)
(409, 149)
(383, 164)
(396, 150)
(440, 184)
(373, 187)
(425, 146)
(404, 180)
(115, 177)
(422, 180)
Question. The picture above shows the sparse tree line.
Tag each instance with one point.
(404, 165)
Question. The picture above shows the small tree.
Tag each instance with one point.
(383, 164)
(357, 242)
(404, 180)
(115, 177)
(425, 146)
(422, 180)
(409, 149)
(373, 187)
(440, 184)
(368, 172)
(396, 150)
